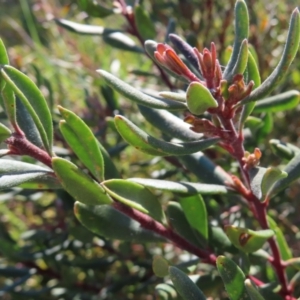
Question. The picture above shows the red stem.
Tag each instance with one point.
(150, 224)
(131, 21)
(19, 145)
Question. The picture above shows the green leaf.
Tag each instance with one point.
(78, 184)
(13, 173)
(108, 222)
(233, 278)
(4, 132)
(284, 248)
(179, 222)
(218, 239)
(180, 97)
(252, 291)
(241, 25)
(271, 176)
(45, 182)
(289, 53)
(284, 150)
(160, 266)
(83, 142)
(181, 187)
(84, 28)
(253, 74)
(133, 94)
(4, 60)
(241, 63)
(135, 196)
(148, 144)
(195, 211)
(94, 8)
(247, 240)
(33, 100)
(293, 262)
(256, 175)
(185, 286)
(110, 170)
(144, 24)
(9, 101)
(199, 98)
(293, 171)
(121, 41)
(166, 291)
(169, 124)
(205, 169)
(281, 102)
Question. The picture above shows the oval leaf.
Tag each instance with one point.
(233, 278)
(9, 101)
(98, 219)
(135, 196)
(284, 150)
(181, 187)
(160, 266)
(83, 142)
(187, 289)
(78, 184)
(199, 98)
(148, 144)
(247, 240)
(133, 94)
(34, 101)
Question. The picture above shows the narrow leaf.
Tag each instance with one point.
(94, 8)
(108, 222)
(4, 60)
(271, 176)
(293, 171)
(185, 286)
(121, 41)
(180, 97)
(195, 211)
(284, 150)
(284, 248)
(241, 62)
(169, 124)
(199, 98)
(289, 52)
(186, 50)
(78, 184)
(181, 187)
(4, 132)
(241, 28)
(256, 175)
(13, 173)
(83, 142)
(34, 102)
(148, 144)
(247, 240)
(233, 278)
(133, 94)
(252, 291)
(82, 28)
(179, 222)
(281, 102)
(9, 101)
(144, 24)
(136, 196)
(205, 169)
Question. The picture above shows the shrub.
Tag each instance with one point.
(198, 226)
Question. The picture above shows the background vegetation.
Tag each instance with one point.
(44, 252)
